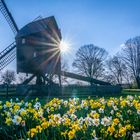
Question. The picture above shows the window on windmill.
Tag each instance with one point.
(23, 40)
(34, 54)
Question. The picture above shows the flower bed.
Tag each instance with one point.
(74, 118)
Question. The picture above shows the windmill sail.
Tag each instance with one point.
(9, 53)
(8, 16)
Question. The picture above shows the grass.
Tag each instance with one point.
(124, 93)
(131, 92)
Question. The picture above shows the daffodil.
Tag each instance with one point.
(17, 119)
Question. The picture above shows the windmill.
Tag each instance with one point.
(36, 46)
(36, 49)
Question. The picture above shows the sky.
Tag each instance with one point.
(104, 23)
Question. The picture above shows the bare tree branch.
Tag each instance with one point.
(8, 77)
(89, 61)
(131, 56)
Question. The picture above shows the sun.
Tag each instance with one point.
(64, 46)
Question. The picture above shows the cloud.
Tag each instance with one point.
(122, 45)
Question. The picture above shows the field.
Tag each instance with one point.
(70, 118)
(131, 91)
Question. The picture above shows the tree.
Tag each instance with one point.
(131, 56)
(8, 77)
(90, 61)
(117, 70)
(109, 78)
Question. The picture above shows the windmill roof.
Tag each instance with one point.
(37, 26)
